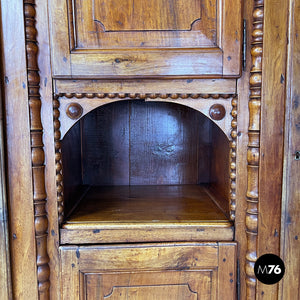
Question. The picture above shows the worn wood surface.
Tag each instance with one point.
(5, 271)
(37, 151)
(219, 166)
(19, 179)
(272, 132)
(18, 146)
(253, 151)
(71, 165)
(146, 213)
(49, 148)
(141, 271)
(290, 248)
(90, 101)
(147, 86)
(241, 156)
(133, 142)
(99, 39)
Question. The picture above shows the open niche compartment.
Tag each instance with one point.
(143, 170)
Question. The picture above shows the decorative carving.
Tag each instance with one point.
(220, 113)
(253, 158)
(233, 146)
(58, 162)
(217, 112)
(74, 111)
(37, 151)
(143, 96)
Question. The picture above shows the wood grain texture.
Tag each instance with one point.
(46, 93)
(19, 169)
(253, 154)
(220, 169)
(241, 154)
(37, 151)
(60, 56)
(290, 248)
(147, 204)
(147, 86)
(272, 133)
(133, 15)
(146, 213)
(227, 270)
(270, 117)
(90, 101)
(137, 24)
(147, 143)
(5, 268)
(136, 268)
(231, 36)
(102, 40)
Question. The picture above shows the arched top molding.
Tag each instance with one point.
(89, 102)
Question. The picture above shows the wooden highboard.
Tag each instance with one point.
(145, 146)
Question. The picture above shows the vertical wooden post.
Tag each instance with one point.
(37, 151)
(233, 149)
(253, 157)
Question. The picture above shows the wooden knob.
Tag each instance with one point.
(217, 112)
(74, 111)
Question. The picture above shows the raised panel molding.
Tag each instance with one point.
(106, 39)
(152, 291)
(153, 271)
(132, 15)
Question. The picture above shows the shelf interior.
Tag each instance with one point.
(145, 166)
(155, 205)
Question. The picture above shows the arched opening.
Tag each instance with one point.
(146, 163)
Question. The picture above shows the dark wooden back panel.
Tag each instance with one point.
(220, 180)
(71, 162)
(105, 145)
(135, 142)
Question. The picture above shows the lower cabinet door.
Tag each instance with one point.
(149, 271)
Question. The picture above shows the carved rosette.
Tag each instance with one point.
(253, 158)
(37, 151)
(233, 146)
(58, 161)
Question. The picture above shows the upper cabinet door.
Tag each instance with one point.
(153, 38)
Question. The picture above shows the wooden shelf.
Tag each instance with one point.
(146, 213)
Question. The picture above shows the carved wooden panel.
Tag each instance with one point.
(144, 24)
(149, 271)
(150, 285)
(146, 38)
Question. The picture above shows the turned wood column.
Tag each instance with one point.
(37, 151)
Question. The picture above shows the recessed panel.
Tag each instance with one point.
(107, 24)
(133, 15)
(138, 38)
(177, 285)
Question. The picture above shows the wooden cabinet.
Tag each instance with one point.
(140, 146)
